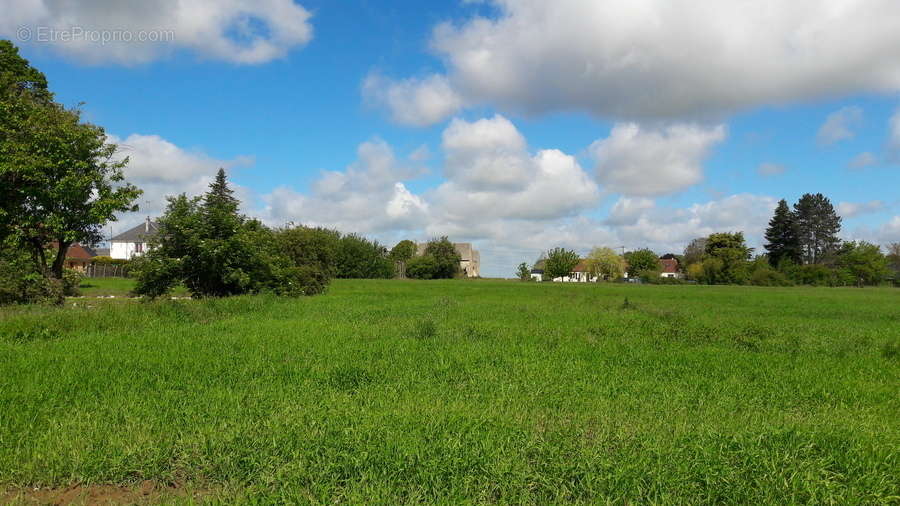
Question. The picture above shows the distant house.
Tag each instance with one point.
(133, 242)
(580, 273)
(78, 257)
(669, 267)
(469, 258)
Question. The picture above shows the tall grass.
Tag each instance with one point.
(389, 391)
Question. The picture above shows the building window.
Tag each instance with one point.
(139, 247)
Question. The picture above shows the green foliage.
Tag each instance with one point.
(694, 252)
(817, 226)
(215, 252)
(422, 267)
(318, 247)
(403, 251)
(559, 263)
(446, 259)
(783, 243)
(864, 262)
(763, 274)
(361, 258)
(726, 259)
(60, 178)
(605, 263)
(71, 280)
(524, 272)
(21, 283)
(107, 260)
(642, 260)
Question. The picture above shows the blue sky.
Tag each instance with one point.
(519, 125)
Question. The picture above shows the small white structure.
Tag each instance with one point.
(133, 242)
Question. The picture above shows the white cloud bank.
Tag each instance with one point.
(658, 59)
(839, 125)
(134, 32)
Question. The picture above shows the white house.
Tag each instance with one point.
(669, 267)
(133, 242)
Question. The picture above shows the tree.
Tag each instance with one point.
(560, 263)
(204, 243)
(694, 251)
(605, 263)
(361, 258)
(864, 261)
(818, 226)
(403, 251)
(642, 260)
(60, 181)
(524, 272)
(893, 258)
(781, 236)
(311, 246)
(726, 258)
(421, 267)
(445, 256)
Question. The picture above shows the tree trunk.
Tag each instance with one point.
(60, 260)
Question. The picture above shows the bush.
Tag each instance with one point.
(423, 267)
(446, 259)
(361, 258)
(71, 282)
(301, 280)
(311, 246)
(19, 284)
(106, 260)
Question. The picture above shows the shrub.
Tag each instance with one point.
(423, 267)
(107, 260)
(311, 246)
(361, 258)
(301, 280)
(71, 282)
(19, 284)
(446, 259)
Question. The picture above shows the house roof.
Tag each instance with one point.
(581, 266)
(139, 233)
(79, 252)
(669, 265)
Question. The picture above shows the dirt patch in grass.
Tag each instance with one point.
(148, 492)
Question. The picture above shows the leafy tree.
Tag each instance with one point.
(361, 258)
(694, 252)
(317, 247)
(204, 243)
(893, 256)
(445, 256)
(421, 267)
(642, 260)
(605, 263)
(864, 262)
(60, 181)
(726, 258)
(524, 272)
(559, 263)
(818, 226)
(403, 251)
(781, 236)
(18, 77)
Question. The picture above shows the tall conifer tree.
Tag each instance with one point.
(781, 236)
(818, 226)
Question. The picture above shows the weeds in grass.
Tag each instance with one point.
(425, 329)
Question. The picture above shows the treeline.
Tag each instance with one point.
(802, 247)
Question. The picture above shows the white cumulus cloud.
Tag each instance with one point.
(644, 161)
(665, 59)
(134, 32)
(413, 102)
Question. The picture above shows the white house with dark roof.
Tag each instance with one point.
(133, 242)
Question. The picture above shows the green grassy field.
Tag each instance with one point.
(457, 391)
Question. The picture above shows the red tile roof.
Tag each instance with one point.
(669, 265)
